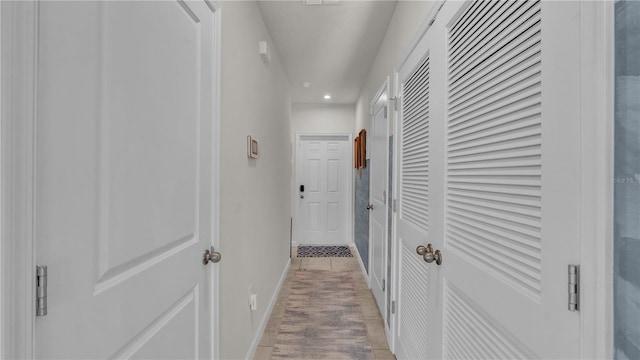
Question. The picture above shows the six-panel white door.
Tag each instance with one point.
(503, 180)
(323, 207)
(125, 179)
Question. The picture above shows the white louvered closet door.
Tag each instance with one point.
(512, 177)
(489, 173)
(420, 155)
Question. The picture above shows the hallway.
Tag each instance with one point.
(162, 162)
(357, 332)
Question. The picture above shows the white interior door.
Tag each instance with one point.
(513, 170)
(417, 334)
(503, 177)
(323, 188)
(125, 179)
(378, 200)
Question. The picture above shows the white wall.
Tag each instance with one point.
(405, 23)
(322, 118)
(254, 209)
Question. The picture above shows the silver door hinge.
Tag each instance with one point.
(574, 287)
(385, 112)
(41, 290)
(384, 197)
(383, 284)
(394, 205)
(393, 307)
(395, 103)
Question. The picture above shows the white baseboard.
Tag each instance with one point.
(265, 320)
(364, 270)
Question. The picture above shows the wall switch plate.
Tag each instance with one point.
(253, 302)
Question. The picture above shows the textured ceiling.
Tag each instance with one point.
(330, 46)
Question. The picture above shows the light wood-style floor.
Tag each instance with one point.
(369, 313)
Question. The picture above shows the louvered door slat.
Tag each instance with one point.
(498, 135)
(414, 165)
(455, 34)
(528, 59)
(519, 79)
(522, 119)
(413, 319)
(506, 163)
(503, 37)
(525, 201)
(508, 103)
(497, 212)
(486, 237)
(489, 35)
(494, 146)
(479, 30)
(469, 330)
(500, 58)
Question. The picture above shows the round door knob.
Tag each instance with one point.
(301, 196)
(429, 257)
(436, 256)
(211, 256)
(421, 250)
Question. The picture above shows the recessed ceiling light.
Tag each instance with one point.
(327, 97)
(306, 84)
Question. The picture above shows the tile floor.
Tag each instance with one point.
(369, 312)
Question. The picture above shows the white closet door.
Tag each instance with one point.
(512, 179)
(496, 183)
(417, 295)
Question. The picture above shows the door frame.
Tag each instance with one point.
(597, 162)
(295, 215)
(18, 113)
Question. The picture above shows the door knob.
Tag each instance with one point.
(370, 207)
(433, 256)
(421, 250)
(211, 256)
(301, 196)
(429, 255)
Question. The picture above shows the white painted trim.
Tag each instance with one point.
(19, 81)
(424, 27)
(2, 202)
(267, 315)
(364, 270)
(597, 66)
(217, 74)
(294, 212)
(395, 253)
